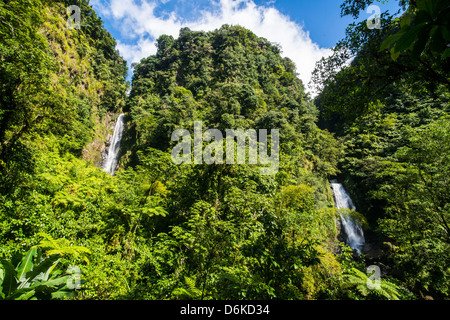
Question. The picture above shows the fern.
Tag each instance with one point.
(389, 290)
(358, 279)
(190, 293)
(62, 247)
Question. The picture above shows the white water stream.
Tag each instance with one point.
(112, 159)
(352, 228)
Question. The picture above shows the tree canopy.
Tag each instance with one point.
(161, 230)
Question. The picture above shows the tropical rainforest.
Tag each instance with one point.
(157, 230)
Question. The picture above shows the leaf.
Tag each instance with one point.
(62, 247)
(43, 270)
(434, 29)
(394, 54)
(408, 38)
(26, 264)
(388, 290)
(389, 41)
(445, 32)
(405, 21)
(63, 294)
(16, 259)
(9, 283)
(429, 6)
(437, 41)
(2, 295)
(51, 283)
(26, 295)
(446, 53)
(358, 279)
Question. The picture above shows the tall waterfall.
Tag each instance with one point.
(352, 228)
(112, 159)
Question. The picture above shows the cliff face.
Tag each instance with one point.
(95, 152)
(92, 72)
(57, 80)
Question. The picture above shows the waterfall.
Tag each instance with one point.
(352, 227)
(112, 159)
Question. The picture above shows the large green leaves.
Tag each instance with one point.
(26, 264)
(8, 279)
(425, 27)
(34, 276)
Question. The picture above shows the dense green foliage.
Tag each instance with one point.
(38, 276)
(228, 232)
(157, 230)
(391, 109)
(55, 80)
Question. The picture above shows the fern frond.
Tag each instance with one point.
(62, 247)
(358, 279)
(389, 290)
(191, 292)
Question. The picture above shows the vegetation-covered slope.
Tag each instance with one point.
(158, 230)
(229, 232)
(55, 80)
(59, 89)
(391, 107)
(229, 79)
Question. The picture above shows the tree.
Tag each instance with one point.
(424, 28)
(416, 189)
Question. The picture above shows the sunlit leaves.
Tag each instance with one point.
(425, 27)
(358, 279)
(34, 276)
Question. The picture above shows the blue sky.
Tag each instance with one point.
(305, 29)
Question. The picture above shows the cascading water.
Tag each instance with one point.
(352, 228)
(112, 159)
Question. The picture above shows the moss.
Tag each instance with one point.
(355, 215)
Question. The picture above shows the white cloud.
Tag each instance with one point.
(137, 20)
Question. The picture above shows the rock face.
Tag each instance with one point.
(96, 152)
(372, 251)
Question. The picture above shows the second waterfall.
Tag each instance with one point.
(352, 228)
(111, 161)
